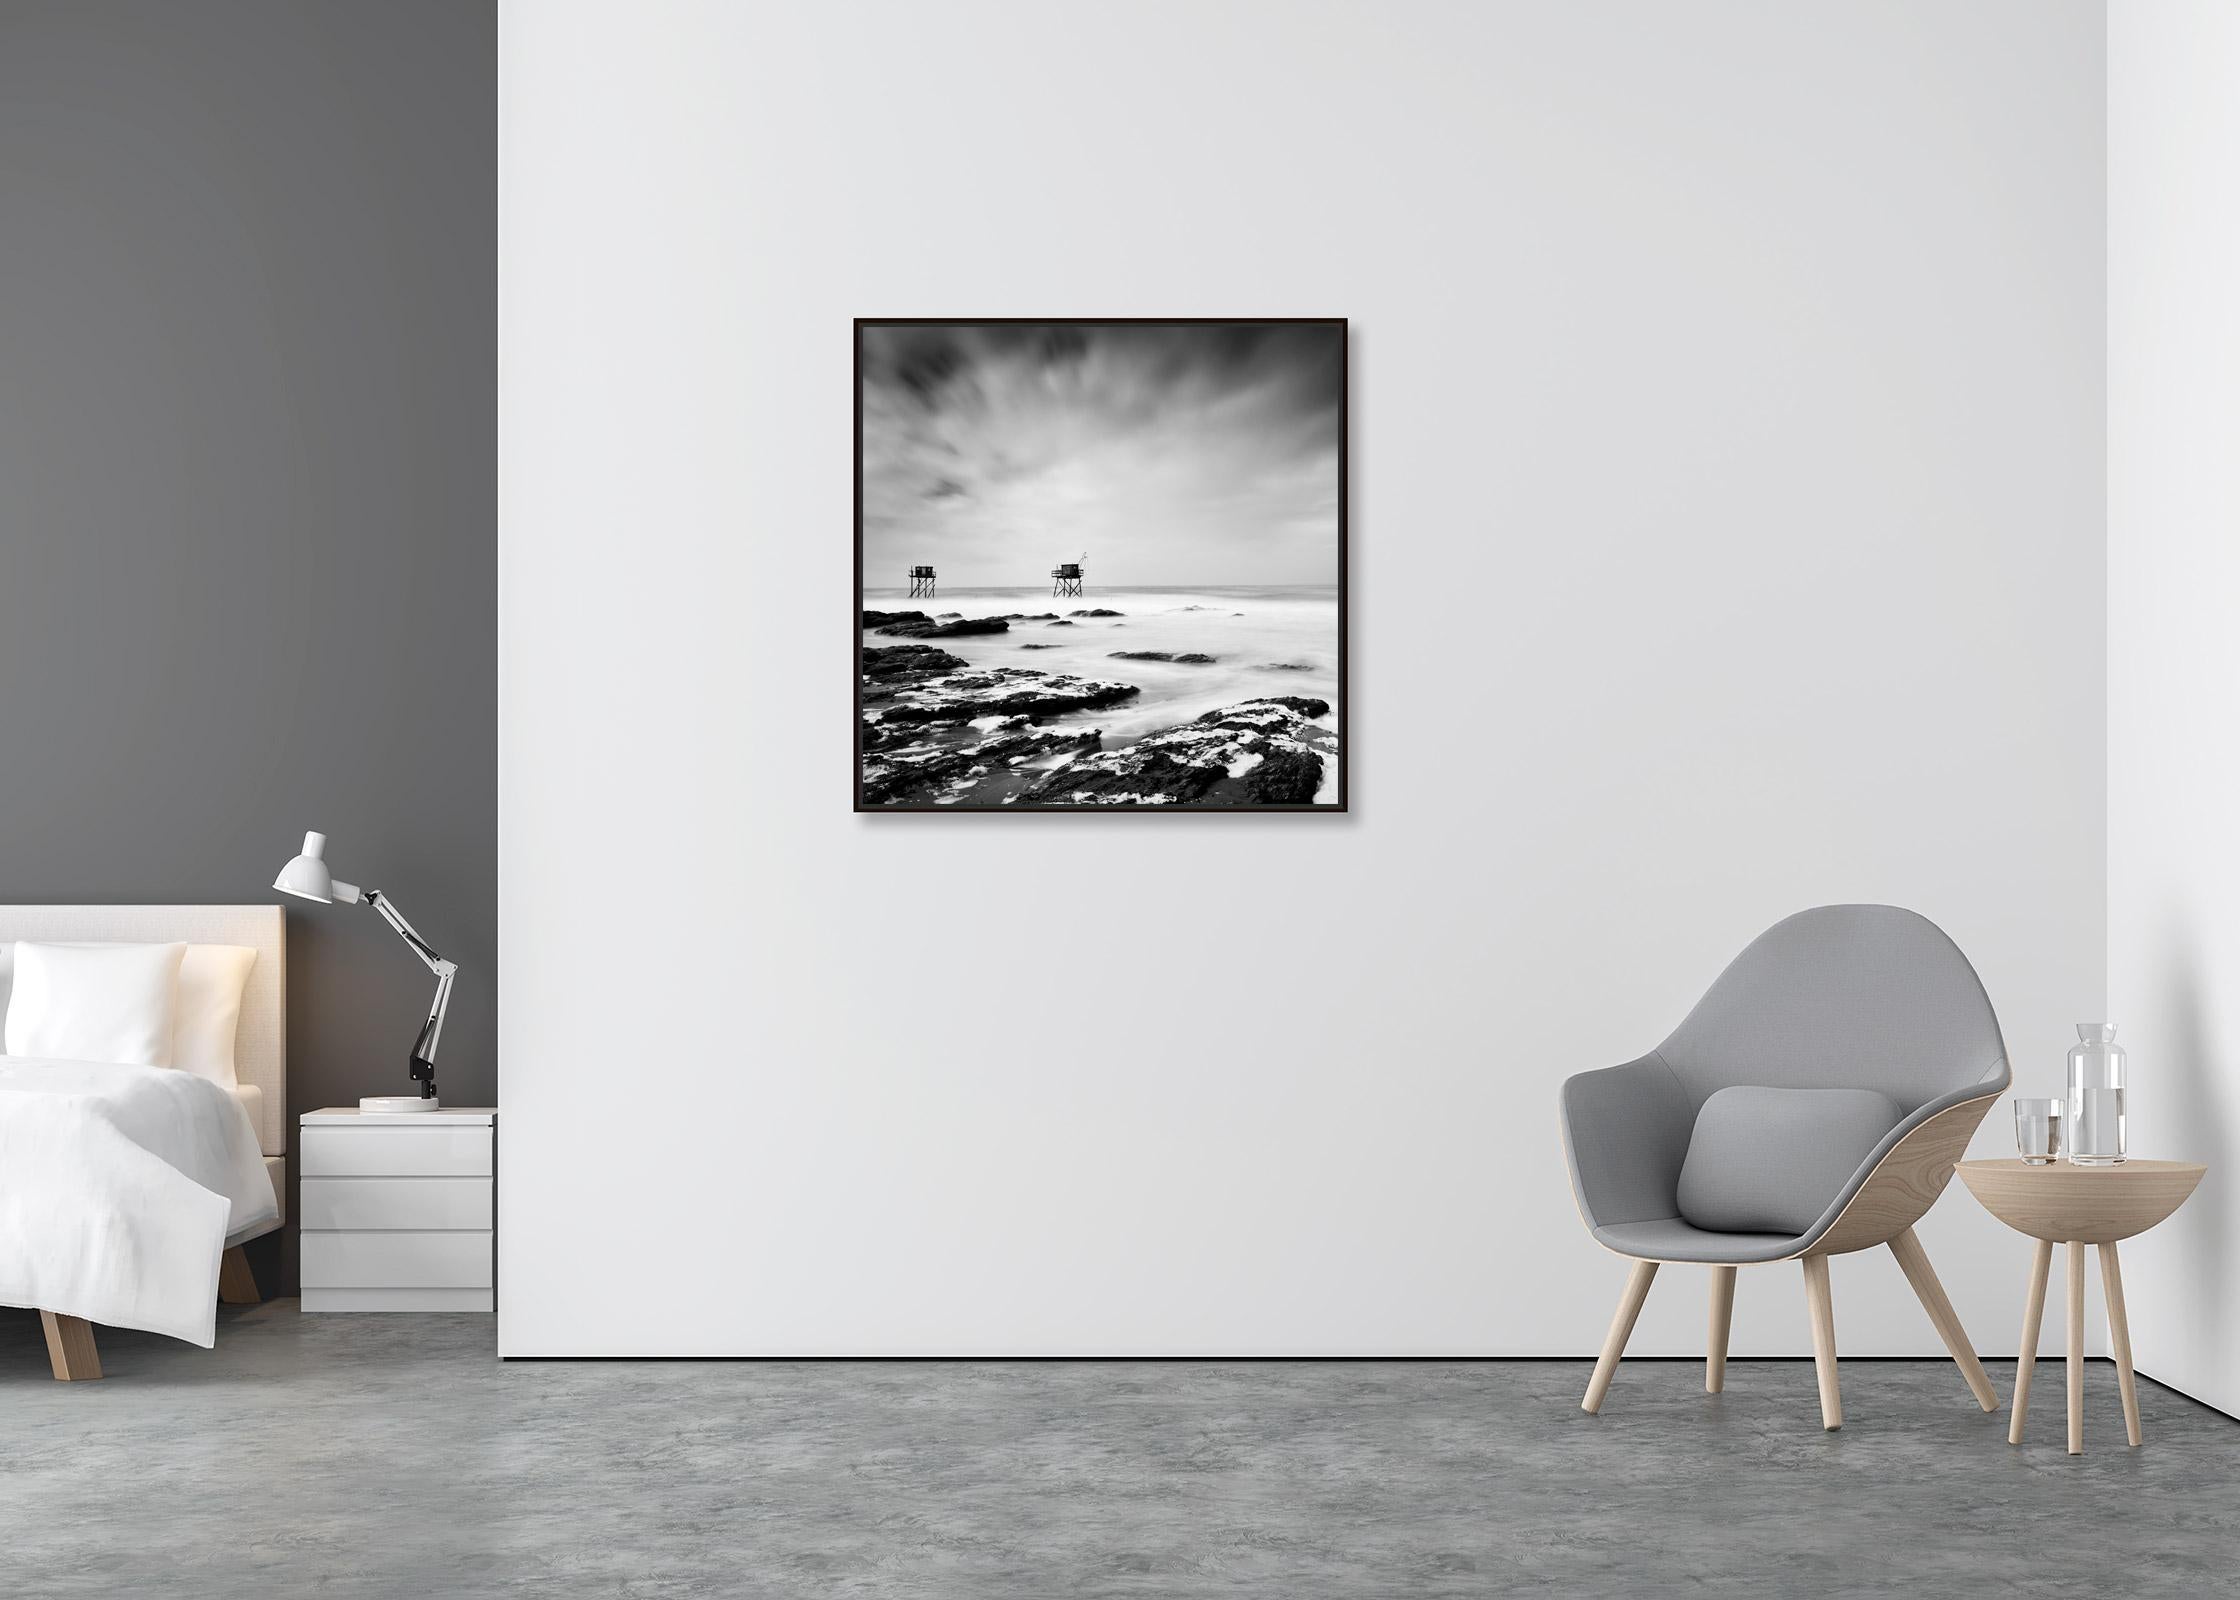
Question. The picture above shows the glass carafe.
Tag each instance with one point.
(2096, 1088)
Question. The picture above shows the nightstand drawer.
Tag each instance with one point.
(410, 1260)
(446, 1204)
(373, 1152)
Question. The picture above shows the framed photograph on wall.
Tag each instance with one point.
(1101, 564)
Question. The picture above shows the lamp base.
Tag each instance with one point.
(390, 1105)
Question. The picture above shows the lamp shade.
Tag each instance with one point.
(307, 875)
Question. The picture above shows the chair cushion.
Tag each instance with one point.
(1772, 1160)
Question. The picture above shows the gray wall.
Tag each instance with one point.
(248, 337)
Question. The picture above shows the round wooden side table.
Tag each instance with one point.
(2076, 1206)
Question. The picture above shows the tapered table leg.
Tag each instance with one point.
(2119, 1338)
(2076, 1347)
(1722, 1321)
(1621, 1329)
(2033, 1317)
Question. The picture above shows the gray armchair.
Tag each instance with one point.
(1845, 1057)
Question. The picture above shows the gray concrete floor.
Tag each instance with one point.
(396, 1456)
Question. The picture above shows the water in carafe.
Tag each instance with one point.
(2096, 1087)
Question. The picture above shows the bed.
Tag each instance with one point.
(128, 1193)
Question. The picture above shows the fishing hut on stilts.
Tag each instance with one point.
(1066, 579)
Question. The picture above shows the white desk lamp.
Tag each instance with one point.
(307, 875)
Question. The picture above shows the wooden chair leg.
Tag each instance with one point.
(2033, 1318)
(1822, 1302)
(1722, 1320)
(1931, 1293)
(1621, 1329)
(237, 1284)
(2076, 1347)
(70, 1348)
(2119, 1339)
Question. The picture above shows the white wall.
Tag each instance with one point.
(2174, 657)
(1728, 487)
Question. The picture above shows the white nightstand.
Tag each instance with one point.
(399, 1213)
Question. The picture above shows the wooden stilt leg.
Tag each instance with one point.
(2033, 1317)
(1722, 1320)
(1822, 1301)
(2119, 1339)
(1621, 1329)
(70, 1348)
(237, 1285)
(2076, 1347)
(1931, 1293)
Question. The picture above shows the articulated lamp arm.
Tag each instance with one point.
(431, 1031)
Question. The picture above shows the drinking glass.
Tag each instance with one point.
(2037, 1130)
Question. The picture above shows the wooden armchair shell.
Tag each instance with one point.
(1858, 997)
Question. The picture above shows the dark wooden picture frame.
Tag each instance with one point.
(1271, 742)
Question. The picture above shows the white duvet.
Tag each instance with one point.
(118, 1189)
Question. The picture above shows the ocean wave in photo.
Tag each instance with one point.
(1120, 697)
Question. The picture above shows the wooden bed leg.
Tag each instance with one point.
(237, 1285)
(70, 1347)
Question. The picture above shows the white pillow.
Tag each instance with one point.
(211, 979)
(95, 1002)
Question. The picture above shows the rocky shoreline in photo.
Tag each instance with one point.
(1260, 753)
(917, 625)
(937, 730)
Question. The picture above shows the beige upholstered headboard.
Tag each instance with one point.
(260, 1045)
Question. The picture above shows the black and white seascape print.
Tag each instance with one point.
(1101, 565)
